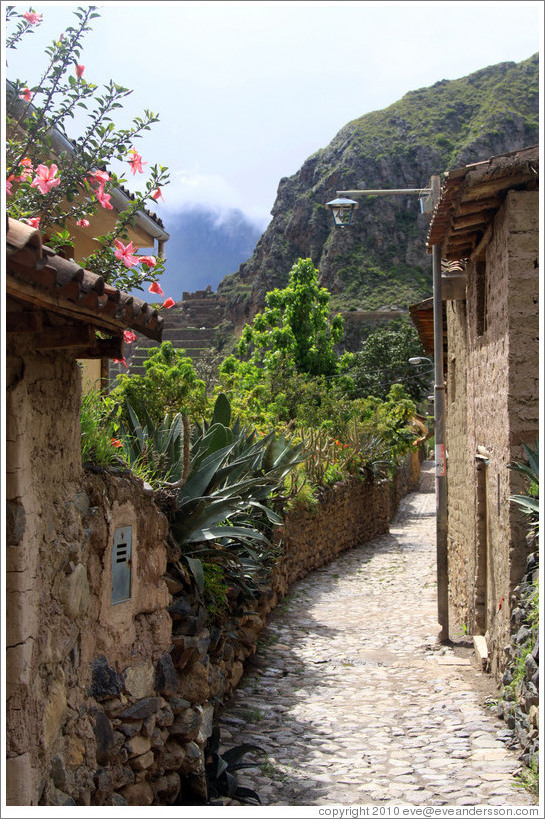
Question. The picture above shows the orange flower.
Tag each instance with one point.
(155, 287)
(116, 442)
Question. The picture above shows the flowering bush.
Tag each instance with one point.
(54, 183)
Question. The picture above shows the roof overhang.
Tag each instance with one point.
(422, 318)
(472, 195)
(61, 305)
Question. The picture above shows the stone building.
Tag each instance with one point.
(487, 225)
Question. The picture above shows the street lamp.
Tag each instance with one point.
(342, 210)
(429, 197)
(419, 359)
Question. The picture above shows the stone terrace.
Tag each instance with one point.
(190, 325)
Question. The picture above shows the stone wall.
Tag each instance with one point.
(492, 404)
(519, 701)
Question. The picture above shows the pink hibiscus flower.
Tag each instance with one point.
(104, 198)
(157, 195)
(82, 223)
(99, 176)
(45, 178)
(129, 337)
(169, 303)
(33, 18)
(121, 361)
(27, 170)
(26, 95)
(34, 222)
(9, 180)
(155, 287)
(149, 261)
(125, 253)
(79, 71)
(136, 162)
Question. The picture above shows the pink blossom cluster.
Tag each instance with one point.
(101, 177)
(32, 18)
(45, 178)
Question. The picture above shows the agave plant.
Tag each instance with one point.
(529, 502)
(222, 512)
(221, 770)
(162, 452)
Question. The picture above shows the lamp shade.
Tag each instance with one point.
(342, 210)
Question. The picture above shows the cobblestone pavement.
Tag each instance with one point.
(353, 699)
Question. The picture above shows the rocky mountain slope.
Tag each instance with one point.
(380, 262)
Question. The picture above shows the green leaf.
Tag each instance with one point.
(222, 411)
(195, 566)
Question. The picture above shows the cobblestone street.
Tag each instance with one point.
(353, 699)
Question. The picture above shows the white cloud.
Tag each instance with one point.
(194, 187)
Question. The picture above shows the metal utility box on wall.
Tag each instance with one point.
(121, 565)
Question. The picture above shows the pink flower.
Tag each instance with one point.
(45, 178)
(157, 195)
(79, 71)
(104, 198)
(149, 261)
(125, 253)
(34, 222)
(33, 18)
(82, 223)
(136, 162)
(24, 177)
(129, 337)
(100, 176)
(155, 287)
(121, 361)
(26, 95)
(8, 185)
(169, 303)
(26, 164)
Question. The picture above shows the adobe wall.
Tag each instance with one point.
(43, 436)
(494, 406)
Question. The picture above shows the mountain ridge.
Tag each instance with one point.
(380, 263)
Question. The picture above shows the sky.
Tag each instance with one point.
(247, 91)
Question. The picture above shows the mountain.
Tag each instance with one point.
(204, 246)
(380, 262)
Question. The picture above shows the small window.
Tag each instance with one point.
(121, 565)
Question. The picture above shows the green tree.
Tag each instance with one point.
(294, 330)
(170, 385)
(390, 420)
(384, 360)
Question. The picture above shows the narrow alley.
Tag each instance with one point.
(353, 699)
